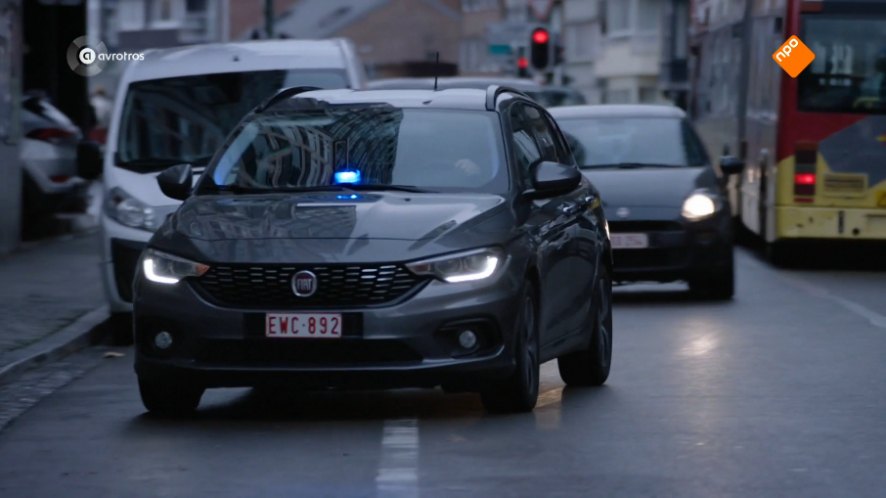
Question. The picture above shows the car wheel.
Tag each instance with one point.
(717, 285)
(590, 366)
(169, 398)
(519, 392)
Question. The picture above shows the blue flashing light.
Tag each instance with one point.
(347, 176)
(347, 197)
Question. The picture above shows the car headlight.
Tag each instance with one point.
(162, 268)
(700, 205)
(129, 211)
(464, 267)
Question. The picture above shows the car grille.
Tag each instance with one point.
(269, 286)
(635, 259)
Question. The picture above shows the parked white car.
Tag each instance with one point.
(48, 154)
(177, 106)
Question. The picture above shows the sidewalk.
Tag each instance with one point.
(51, 298)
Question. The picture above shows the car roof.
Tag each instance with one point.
(453, 98)
(617, 110)
(482, 83)
(255, 55)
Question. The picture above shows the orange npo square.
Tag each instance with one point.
(794, 56)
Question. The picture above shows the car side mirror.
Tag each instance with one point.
(731, 165)
(89, 159)
(550, 179)
(175, 181)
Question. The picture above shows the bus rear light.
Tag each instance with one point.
(805, 167)
(804, 179)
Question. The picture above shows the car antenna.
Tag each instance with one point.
(436, 70)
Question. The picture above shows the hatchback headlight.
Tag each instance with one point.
(464, 267)
(700, 205)
(162, 268)
(129, 211)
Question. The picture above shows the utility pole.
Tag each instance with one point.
(269, 18)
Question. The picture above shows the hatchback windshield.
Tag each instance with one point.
(615, 141)
(185, 119)
(363, 146)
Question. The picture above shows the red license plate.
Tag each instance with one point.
(303, 325)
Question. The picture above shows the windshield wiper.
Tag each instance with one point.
(631, 166)
(399, 188)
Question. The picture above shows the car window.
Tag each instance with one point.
(377, 144)
(526, 149)
(604, 141)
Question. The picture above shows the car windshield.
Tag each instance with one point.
(185, 119)
(633, 142)
(311, 145)
(849, 70)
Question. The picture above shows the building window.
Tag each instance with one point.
(617, 96)
(648, 95)
(618, 17)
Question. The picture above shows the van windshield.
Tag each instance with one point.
(185, 119)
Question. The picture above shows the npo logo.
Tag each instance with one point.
(793, 56)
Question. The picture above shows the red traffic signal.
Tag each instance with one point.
(522, 63)
(540, 51)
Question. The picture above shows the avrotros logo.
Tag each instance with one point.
(87, 60)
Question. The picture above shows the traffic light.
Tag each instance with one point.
(540, 53)
(522, 63)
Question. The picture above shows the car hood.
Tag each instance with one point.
(332, 227)
(649, 187)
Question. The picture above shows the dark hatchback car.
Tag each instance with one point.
(668, 213)
(378, 238)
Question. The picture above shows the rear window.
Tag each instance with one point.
(613, 141)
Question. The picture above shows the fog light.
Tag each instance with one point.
(163, 340)
(467, 339)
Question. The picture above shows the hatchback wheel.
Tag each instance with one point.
(169, 398)
(590, 366)
(519, 392)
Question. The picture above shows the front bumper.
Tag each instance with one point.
(408, 343)
(678, 250)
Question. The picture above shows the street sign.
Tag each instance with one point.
(541, 9)
(500, 50)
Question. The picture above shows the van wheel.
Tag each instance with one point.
(590, 366)
(168, 398)
(519, 392)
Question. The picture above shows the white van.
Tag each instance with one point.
(177, 106)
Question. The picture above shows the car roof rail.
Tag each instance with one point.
(494, 91)
(285, 94)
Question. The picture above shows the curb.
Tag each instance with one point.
(83, 332)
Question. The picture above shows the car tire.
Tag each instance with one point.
(519, 392)
(169, 398)
(718, 285)
(590, 366)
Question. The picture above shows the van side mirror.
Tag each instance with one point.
(550, 179)
(731, 165)
(175, 181)
(89, 159)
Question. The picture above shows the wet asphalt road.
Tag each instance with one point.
(781, 392)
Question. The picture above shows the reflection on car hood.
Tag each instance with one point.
(652, 187)
(335, 215)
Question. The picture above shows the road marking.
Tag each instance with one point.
(876, 319)
(398, 468)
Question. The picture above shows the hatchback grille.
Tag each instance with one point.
(265, 286)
